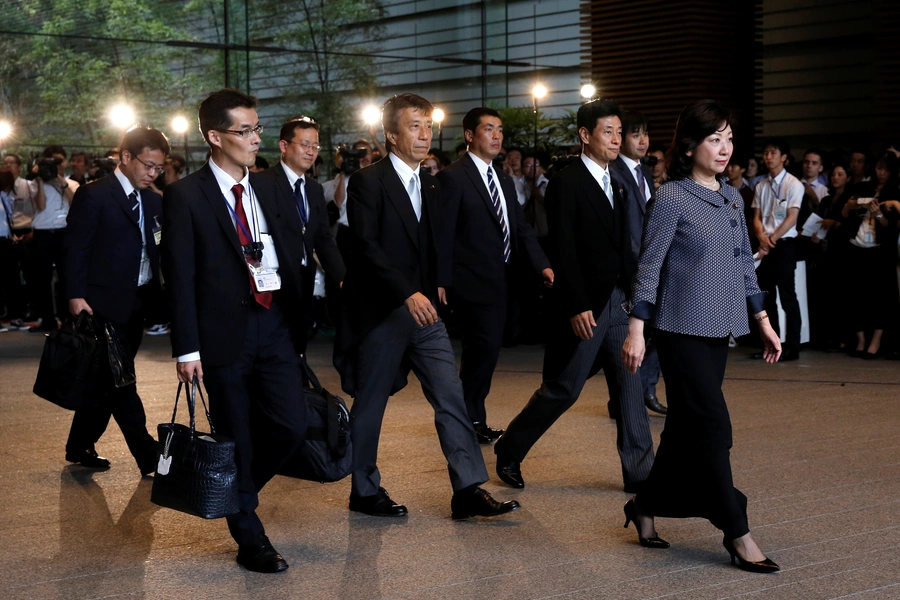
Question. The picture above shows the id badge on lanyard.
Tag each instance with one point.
(264, 279)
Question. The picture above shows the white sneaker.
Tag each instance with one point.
(159, 329)
(3, 329)
(18, 324)
(732, 343)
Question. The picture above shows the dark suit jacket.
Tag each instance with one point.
(590, 249)
(103, 247)
(384, 265)
(206, 276)
(473, 237)
(318, 238)
(635, 207)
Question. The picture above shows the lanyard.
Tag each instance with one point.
(141, 219)
(777, 191)
(252, 212)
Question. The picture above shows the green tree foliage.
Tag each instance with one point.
(337, 36)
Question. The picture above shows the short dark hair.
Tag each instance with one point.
(178, 162)
(288, 129)
(213, 113)
(441, 156)
(591, 112)
(740, 160)
(390, 112)
(859, 151)
(515, 149)
(82, 154)
(656, 148)
(52, 149)
(697, 121)
(361, 142)
(472, 119)
(18, 160)
(780, 144)
(634, 122)
(890, 162)
(261, 163)
(111, 152)
(817, 152)
(137, 138)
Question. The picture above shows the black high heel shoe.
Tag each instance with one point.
(631, 515)
(763, 566)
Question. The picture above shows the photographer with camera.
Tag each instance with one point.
(53, 193)
(79, 164)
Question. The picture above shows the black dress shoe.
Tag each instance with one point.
(652, 403)
(478, 503)
(789, 355)
(377, 505)
(261, 557)
(763, 566)
(509, 470)
(485, 434)
(870, 355)
(631, 515)
(89, 459)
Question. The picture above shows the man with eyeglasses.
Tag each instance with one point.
(112, 272)
(233, 279)
(308, 222)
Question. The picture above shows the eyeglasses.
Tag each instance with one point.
(152, 169)
(243, 133)
(529, 165)
(306, 145)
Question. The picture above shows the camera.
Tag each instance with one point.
(351, 156)
(100, 168)
(47, 169)
(649, 161)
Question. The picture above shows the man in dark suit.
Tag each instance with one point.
(487, 238)
(594, 266)
(308, 223)
(390, 322)
(111, 271)
(638, 180)
(233, 278)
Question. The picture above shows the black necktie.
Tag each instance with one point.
(301, 206)
(133, 197)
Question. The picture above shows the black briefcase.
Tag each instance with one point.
(70, 363)
(327, 453)
(196, 474)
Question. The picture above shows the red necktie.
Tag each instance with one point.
(264, 298)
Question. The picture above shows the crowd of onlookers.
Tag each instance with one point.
(837, 212)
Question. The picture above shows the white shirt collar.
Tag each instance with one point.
(596, 170)
(226, 181)
(778, 178)
(402, 168)
(126, 184)
(480, 164)
(630, 163)
(292, 177)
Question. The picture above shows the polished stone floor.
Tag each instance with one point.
(817, 451)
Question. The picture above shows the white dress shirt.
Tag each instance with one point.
(521, 189)
(56, 208)
(774, 197)
(292, 180)
(411, 183)
(482, 168)
(632, 166)
(23, 212)
(598, 172)
(145, 273)
(7, 203)
(820, 189)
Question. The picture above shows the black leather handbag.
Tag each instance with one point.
(122, 368)
(70, 364)
(327, 453)
(196, 474)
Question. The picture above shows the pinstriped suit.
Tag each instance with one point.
(593, 265)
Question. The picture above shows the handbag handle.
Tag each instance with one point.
(192, 405)
(309, 375)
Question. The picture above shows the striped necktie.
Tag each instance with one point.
(498, 209)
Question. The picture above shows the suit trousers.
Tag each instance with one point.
(11, 291)
(650, 370)
(258, 402)
(482, 336)
(47, 252)
(122, 404)
(564, 381)
(776, 271)
(428, 350)
(692, 473)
